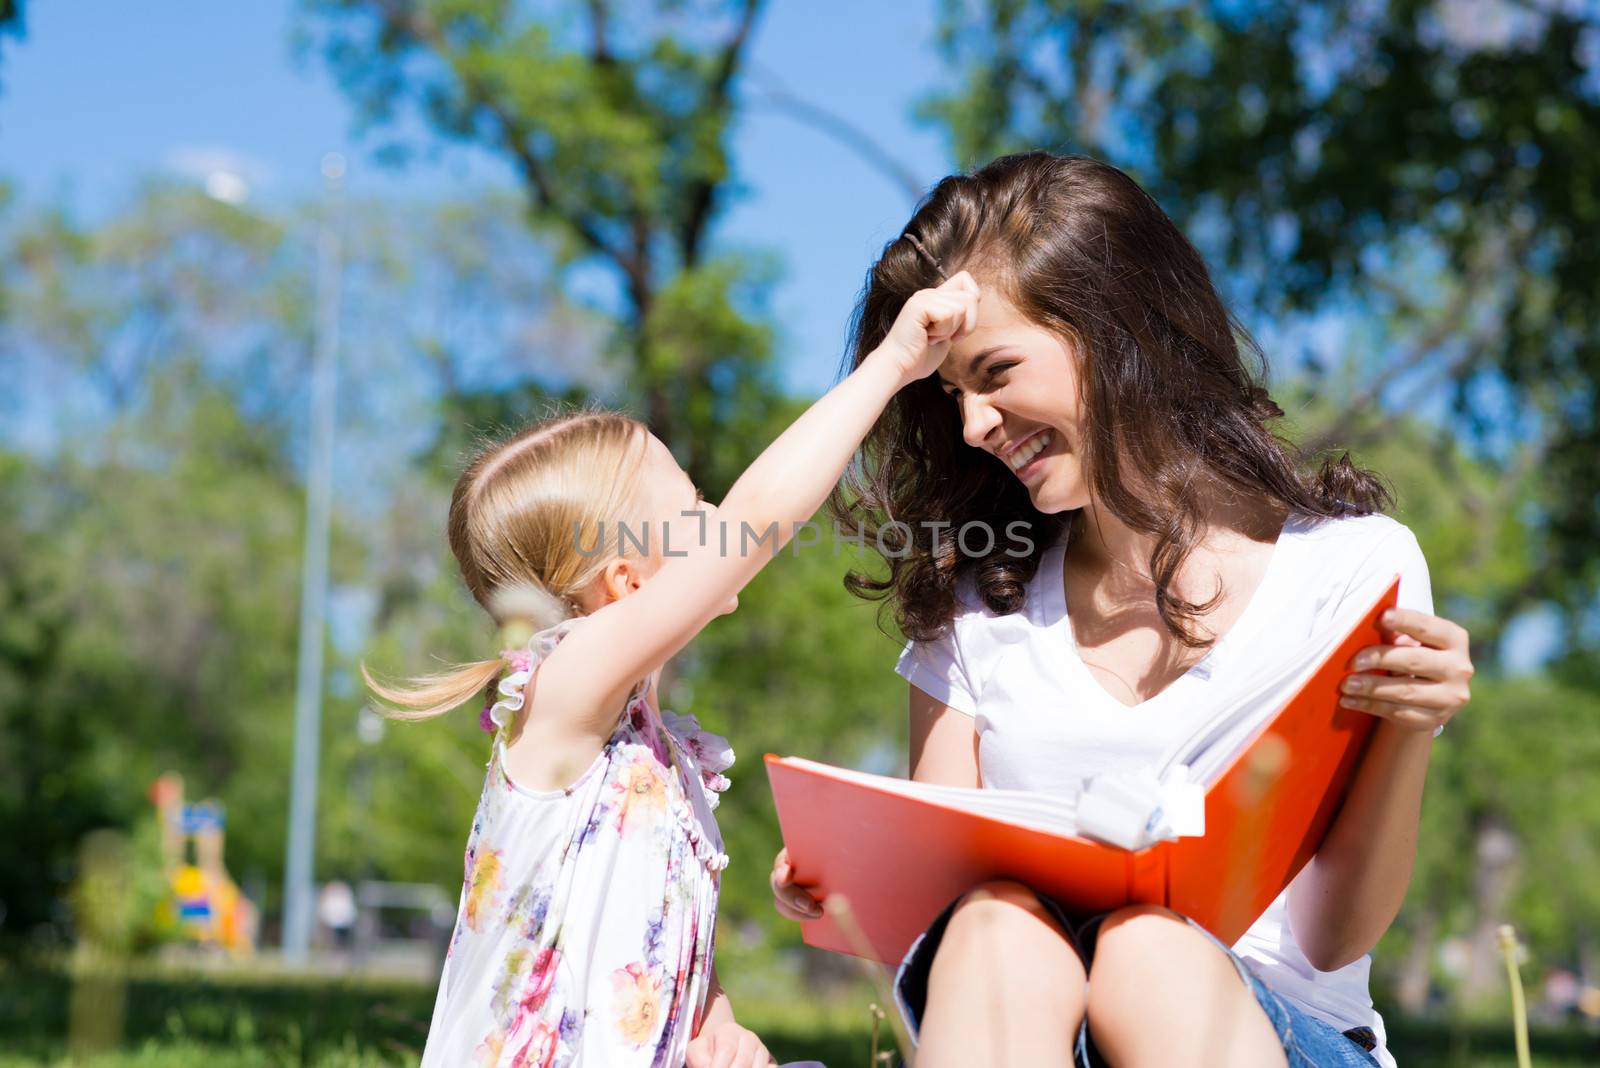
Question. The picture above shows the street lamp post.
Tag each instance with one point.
(298, 891)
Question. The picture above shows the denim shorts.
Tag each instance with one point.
(1307, 1041)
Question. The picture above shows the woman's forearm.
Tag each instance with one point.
(1351, 891)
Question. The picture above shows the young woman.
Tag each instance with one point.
(1104, 399)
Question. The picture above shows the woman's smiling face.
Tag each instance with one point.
(1016, 387)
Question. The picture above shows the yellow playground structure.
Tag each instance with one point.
(203, 902)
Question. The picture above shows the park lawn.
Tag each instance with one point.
(188, 1020)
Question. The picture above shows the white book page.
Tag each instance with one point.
(1260, 695)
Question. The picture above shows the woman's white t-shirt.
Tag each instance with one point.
(1044, 722)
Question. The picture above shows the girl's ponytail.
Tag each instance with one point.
(522, 610)
(426, 696)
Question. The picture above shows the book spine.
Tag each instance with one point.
(1147, 876)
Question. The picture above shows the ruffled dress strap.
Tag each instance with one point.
(712, 753)
(506, 693)
(708, 756)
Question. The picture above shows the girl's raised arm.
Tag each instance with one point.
(622, 642)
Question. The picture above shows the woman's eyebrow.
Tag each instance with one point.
(976, 363)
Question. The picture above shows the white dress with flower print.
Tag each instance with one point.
(584, 933)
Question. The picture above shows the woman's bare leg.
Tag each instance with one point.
(1006, 987)
(1162, 994)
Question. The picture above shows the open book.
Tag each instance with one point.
(1215, 829)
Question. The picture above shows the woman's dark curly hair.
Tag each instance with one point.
(1173, 404)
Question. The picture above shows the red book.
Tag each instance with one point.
(1273, 777)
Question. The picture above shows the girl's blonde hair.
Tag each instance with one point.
(527, 526)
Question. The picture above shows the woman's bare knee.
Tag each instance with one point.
(1006, 986)
(1003, 924)
(1150, 964)
(1150, 921)
(1140, 951)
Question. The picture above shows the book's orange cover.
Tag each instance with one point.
(899, 861)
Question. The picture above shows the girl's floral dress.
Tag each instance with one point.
(584, 933)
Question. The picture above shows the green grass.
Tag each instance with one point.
(189, 1020)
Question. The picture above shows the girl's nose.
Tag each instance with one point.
(979, 419)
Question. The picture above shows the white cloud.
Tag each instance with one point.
(227, 175)
(227, 187)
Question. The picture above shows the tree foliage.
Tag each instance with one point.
(11, 16)
(1506, 830)
(150, 469)
(1427, 166)
(616, 128)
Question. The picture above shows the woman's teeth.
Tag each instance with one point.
(1028, 451)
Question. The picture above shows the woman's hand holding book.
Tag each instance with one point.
(1428, 665)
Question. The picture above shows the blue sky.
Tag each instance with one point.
(99, 93)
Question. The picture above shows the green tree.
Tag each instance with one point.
(152, 632)
(1409, 164)
(1506, 832)
(10, 18)
(617, 129)
(151, 535)
(144, 633)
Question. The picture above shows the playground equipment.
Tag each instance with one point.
(204, 902)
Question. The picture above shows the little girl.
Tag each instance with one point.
(584, 931)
